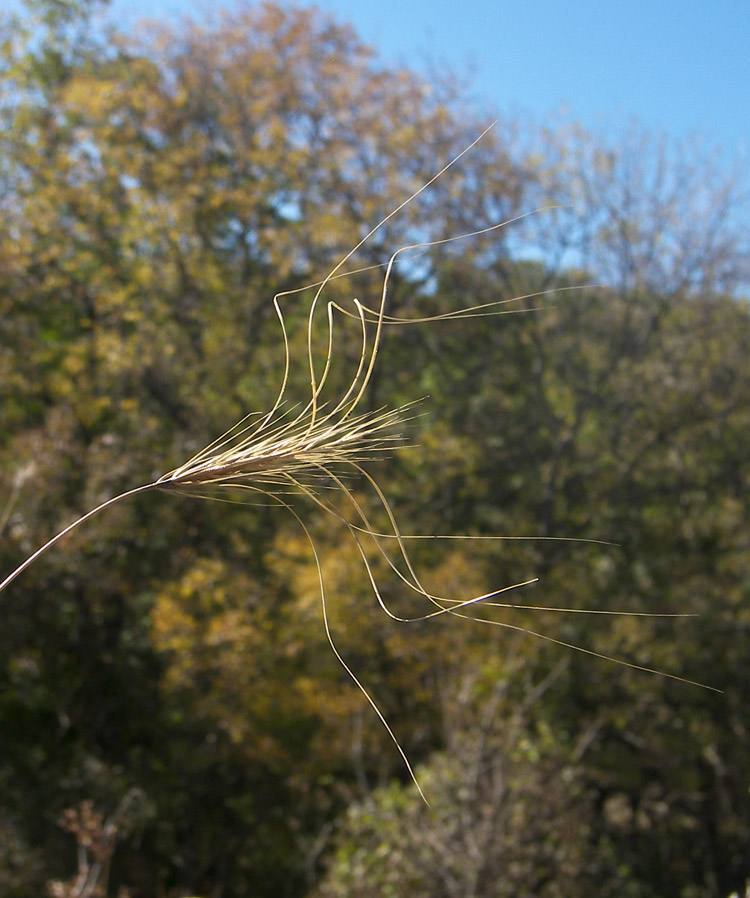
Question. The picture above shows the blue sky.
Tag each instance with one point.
(680, 66)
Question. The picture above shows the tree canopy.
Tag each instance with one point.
(167, 692)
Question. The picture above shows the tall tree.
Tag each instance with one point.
(156, 193)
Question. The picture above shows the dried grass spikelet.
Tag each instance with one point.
(287, 451)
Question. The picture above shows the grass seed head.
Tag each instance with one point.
(298, 447)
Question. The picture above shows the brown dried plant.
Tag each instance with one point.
(287, 450)
(96, 838)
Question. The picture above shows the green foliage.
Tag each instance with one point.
(508, 816)
(155, 194)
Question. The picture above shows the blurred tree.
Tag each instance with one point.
(508, 816)
(617, 414)
(156, 192)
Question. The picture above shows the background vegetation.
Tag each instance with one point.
(168, 665)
